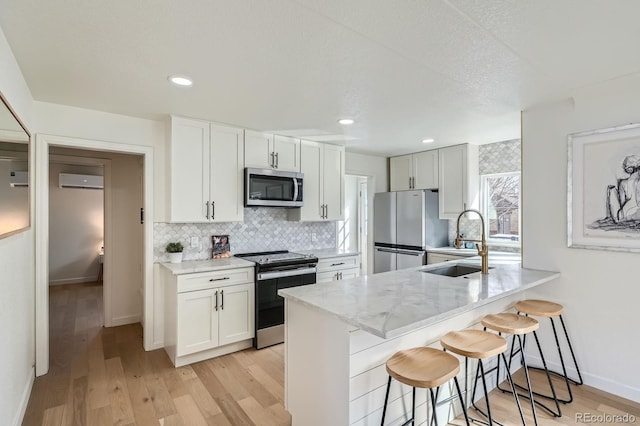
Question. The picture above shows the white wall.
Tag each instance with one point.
(17, 326)
(61, 120)
(76, 227)
(599, 289)
(376, 168)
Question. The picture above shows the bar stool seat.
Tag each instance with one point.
(551, 310)
(423, 367)
(510, 323)
(426, 368)
(474, 343)
(539, 308)
(479, 344)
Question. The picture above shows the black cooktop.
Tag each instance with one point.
(280, 257)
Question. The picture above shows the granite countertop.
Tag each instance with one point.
(393, 303)
(193, 266)
(329, 253)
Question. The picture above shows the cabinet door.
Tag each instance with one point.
(258, 148)
(400, 172)
(425, 169)
(189, 170)
(311, 166)
(333, 182)
(349, 273)
(325, 277)
(236, 313)
(453, 181)
(197, 321)
(287, 153)
(227, 177)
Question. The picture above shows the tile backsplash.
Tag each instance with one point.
(263, 229)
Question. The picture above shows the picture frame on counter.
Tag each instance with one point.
(603, 198)
(220, 246)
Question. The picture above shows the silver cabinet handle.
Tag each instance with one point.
(213, 210)
(337, 264)
(219, 279)
(326, 211)
(272, 163)
(337, 276)
(207, 216)
(216, 307)
(277, 161)
(222, 296)
(340, 275)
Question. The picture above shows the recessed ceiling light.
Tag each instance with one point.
(346, 121)
(429, 140)
(180, 80)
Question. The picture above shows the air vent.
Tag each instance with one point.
(19, 179)
(68, 180)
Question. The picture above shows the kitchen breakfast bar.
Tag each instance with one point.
(339, 335)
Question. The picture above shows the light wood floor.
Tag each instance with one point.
(102, 376)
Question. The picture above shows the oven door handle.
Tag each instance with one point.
(287, 273)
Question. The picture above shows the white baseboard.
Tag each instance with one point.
(620, 389)
(128, 319)
(76, 280)
(24, 399)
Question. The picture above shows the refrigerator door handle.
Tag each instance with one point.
(386, 250)
(411, 253)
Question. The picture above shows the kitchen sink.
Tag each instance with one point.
(454, 270)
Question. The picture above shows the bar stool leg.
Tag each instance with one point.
(573, 355)
(386, 401)
(464, 408)
(526, 375)
(433, 405)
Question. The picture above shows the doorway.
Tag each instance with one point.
(128, 238)
(353, 230)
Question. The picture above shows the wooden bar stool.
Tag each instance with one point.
(519, 326)
(551, 310)
(479, 345)
(425, 368)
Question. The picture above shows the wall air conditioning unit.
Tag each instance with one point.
(69, 180)
(18, 179)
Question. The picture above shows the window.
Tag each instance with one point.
(501, 207)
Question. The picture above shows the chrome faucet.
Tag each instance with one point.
(483, 251)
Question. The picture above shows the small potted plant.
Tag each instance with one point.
(175, 252)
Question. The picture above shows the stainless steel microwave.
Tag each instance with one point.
(272, 188)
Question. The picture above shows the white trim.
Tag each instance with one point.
(75, 280)
(127, 319)
(598, 382)
(24, 399)
(42, 234)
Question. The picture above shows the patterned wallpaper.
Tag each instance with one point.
(263, 229)
(499, 157)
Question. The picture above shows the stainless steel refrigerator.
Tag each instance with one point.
(406, 224)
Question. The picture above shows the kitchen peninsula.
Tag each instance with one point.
(339, 335)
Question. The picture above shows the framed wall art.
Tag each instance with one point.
(604, 189)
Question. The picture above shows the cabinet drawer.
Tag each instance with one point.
(204, 280)
(338, 263)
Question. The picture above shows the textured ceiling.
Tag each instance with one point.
(455, 70)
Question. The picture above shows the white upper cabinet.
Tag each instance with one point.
(323, 166)
(206, 168)
(425, 170)
(401, 172)
(414, 171)
(459, 180)
(265, 151)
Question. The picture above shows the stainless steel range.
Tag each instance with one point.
(276, 270)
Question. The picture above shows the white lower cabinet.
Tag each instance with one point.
(441, 257)
(202, 323)
(338, 268)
